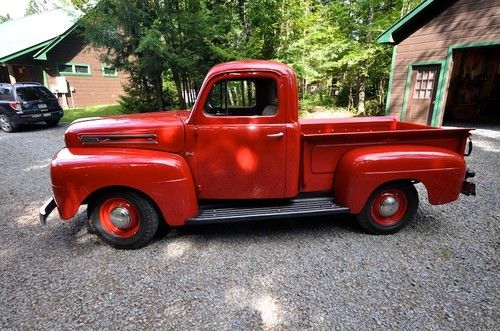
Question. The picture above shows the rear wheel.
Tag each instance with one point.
(389, 208)
(124, 219)
(52, 123)
(6, 124)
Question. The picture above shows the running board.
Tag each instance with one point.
(267, 210)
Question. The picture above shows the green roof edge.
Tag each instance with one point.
(42, 54)
(26, 50)
(386, 37)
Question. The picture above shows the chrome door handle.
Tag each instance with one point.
(276, 135)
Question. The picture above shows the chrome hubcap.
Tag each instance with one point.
(388, 207)
(120, 217)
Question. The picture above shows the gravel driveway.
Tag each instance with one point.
(441, 272)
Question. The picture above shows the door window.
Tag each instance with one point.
(424, 84)
(243, 97)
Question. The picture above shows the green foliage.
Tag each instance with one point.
(170, 45)
(33, 8)
(5, 18)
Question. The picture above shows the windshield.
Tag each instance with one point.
(31, 93)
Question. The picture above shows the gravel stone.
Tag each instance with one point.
(441, 272)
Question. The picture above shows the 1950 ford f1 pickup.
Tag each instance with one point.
(242, 153)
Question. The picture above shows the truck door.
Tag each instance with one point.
(241, 139)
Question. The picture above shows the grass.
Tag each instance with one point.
(91, 111)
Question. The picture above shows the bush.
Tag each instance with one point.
(141, 99)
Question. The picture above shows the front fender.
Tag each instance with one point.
(362, 170)
(164, 177)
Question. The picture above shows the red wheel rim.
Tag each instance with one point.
(106, 220)
(382, 200)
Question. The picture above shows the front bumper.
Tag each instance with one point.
(46, 209)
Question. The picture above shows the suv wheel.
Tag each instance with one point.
(6, 124)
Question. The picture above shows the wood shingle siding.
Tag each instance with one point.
(461, 23)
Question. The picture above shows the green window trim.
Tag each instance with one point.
(106, 67)
(73, 69)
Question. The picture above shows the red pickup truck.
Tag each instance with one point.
(242, 153)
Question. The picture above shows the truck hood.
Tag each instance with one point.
(159, 131)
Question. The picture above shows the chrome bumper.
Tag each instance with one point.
(46, 209)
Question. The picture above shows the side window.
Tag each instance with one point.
(243, 97)
(5, 94)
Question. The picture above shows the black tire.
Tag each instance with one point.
(6, 124)
(372, 217)
(143, 216)
(51, 123)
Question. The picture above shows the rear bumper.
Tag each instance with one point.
(19, 119)
(469, 188)
(46, 209)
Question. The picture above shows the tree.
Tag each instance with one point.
(5, 18)
(33, 8)
(167, 46)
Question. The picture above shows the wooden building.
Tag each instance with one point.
(55, 54)
(446, 62)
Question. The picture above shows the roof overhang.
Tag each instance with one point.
(412, 21)
(42, 53)
(26, 50)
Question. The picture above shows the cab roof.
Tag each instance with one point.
(250, 65)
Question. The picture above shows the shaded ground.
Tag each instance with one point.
(440, 272)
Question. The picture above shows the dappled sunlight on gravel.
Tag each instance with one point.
(176, 248)
(29, 215)
(269, 311)
(39, 165)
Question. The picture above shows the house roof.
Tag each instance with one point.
(412, 21)
(34, 32)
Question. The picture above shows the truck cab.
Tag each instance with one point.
(243, 154)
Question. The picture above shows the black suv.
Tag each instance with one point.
(24, 103)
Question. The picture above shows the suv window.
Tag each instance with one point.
(30, 93)
(243, 97)
(5, 94)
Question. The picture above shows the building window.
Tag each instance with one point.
(109, 71)
(74, 69)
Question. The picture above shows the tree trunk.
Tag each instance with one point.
(158, 87)
(350, 105)
(361, 97)
(178, 87)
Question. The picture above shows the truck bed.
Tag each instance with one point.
(326, 140)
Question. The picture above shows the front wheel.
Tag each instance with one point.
(389, 208)
(124, 219)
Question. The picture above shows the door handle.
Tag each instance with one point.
(276, 135)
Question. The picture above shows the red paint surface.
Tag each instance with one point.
(195, 156)
(399, 196)
(105, 217)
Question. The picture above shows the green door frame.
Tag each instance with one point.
(443, 83)
(439, 88)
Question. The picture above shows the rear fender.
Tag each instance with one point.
(164, 177)
(362, 170)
